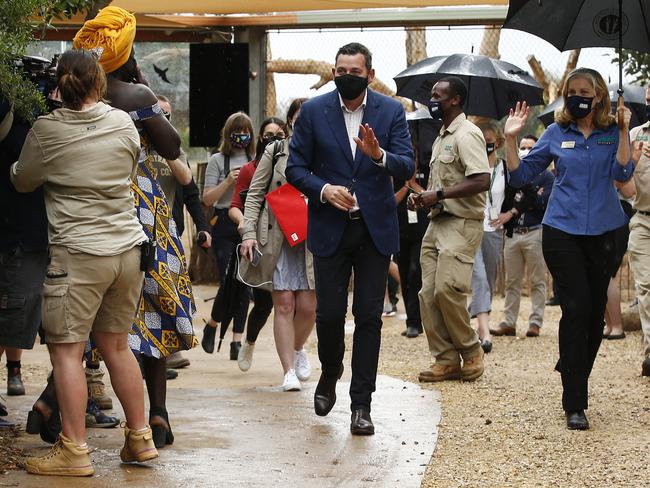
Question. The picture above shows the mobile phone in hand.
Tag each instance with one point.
(257, 256)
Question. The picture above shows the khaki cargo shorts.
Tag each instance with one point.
(83, 292)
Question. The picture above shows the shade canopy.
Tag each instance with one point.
(264, 6)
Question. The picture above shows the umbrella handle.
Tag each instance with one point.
(619, 116)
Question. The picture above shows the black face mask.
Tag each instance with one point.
(350, 86)
(490, 147)
(647, 112)
(579, 107)
(268, 140)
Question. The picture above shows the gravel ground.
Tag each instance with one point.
(507, 429)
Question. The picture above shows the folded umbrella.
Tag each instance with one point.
(634, 100)
(231, 292)
(493, 86)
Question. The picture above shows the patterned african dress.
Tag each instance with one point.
(163, 323)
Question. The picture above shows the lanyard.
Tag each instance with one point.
(492, 178)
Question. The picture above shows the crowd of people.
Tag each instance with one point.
(91, 251)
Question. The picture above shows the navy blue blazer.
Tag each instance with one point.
(319, 153)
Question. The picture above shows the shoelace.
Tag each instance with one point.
(301, 360)
(56, 448)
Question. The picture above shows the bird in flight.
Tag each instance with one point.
(162, 73)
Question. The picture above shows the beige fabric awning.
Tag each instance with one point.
(264, 6)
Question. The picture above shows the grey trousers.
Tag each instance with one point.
(521, 252)
(484, 274)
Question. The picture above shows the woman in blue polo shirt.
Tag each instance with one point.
(583, 212)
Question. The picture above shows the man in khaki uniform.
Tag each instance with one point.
(459, 177)
(639, 244)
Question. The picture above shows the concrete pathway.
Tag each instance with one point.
(240, 429)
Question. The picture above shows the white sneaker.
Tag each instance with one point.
(245, 356)
(291, 382)
(301, 365)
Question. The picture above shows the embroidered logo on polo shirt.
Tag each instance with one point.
(606, 141)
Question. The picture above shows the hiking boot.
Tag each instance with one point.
(97, 389)
(440, 372)
(473, 367)
(97, 419)
(66, 458)
(177, 361)
(503, 329)
(138, 445)
(15, 386)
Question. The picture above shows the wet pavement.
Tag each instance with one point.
(239, 429)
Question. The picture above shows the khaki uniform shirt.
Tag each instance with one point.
(642, 169)
(85, 161)
(458, 152)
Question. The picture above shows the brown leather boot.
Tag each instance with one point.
(97, 389)
(440, 372)
(66, 458)
(138, 445)
(503, 329)
(473, 367)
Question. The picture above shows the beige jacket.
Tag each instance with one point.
(260, 223)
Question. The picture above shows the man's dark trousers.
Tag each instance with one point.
(357, 252)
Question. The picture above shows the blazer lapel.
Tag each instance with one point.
(370, 117)
(334, 116)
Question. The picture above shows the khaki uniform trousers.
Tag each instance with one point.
(447, 257)
(523, 251)
(639, 249)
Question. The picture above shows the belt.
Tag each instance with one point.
(643, 212)
(526, 230)
(355, 215)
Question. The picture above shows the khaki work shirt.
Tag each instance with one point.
(642, 170)
(85, 161)
(459, 152)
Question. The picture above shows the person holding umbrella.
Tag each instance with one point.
(578, 238)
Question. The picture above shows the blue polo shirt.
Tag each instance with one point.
(584, 200)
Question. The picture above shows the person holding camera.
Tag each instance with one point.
(583, 213)
(237, 147)
(286, 271)
(93, 280)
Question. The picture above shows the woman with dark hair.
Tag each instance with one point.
(583, 213)
(287, 272)
(236, 148)
(85, 156)
(272, 129)
(293, 111)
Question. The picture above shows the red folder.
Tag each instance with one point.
(290, 210)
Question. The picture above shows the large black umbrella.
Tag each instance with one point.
(573, 24)
(231, 293)
(494, 86)
(634, 100)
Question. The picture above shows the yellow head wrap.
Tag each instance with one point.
(113, 30)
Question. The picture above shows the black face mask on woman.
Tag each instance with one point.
(350, 86)
(579, 107)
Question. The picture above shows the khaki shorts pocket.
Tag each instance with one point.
(55, 308)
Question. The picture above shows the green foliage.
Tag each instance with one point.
(16, 32)
(635, 64)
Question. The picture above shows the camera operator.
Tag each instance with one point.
(23, 255)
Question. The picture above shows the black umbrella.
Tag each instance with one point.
(494, 86)
(634, 100)
(231, 292)
(573, 24)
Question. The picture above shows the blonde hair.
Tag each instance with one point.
(603, 117)
(494, 128)
(237, 122)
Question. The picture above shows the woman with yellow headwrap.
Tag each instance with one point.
(163, 324)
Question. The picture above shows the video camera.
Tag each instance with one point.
(42, 73)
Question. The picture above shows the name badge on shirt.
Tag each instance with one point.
(412, 216)
(568, 144)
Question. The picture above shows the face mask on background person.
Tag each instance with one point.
(579, 107)
(647, 112)
(490, 147)
(523, 153)
(350, 86)
(269, 139)
(240, 140)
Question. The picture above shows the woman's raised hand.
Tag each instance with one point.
(517, 119)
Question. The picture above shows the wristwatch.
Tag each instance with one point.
(440, 194)
(380, 159)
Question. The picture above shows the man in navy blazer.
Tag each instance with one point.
(346, 146)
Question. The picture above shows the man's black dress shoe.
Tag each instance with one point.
(361, 423)
(577, 420)
(325, 394)
(645, 367)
